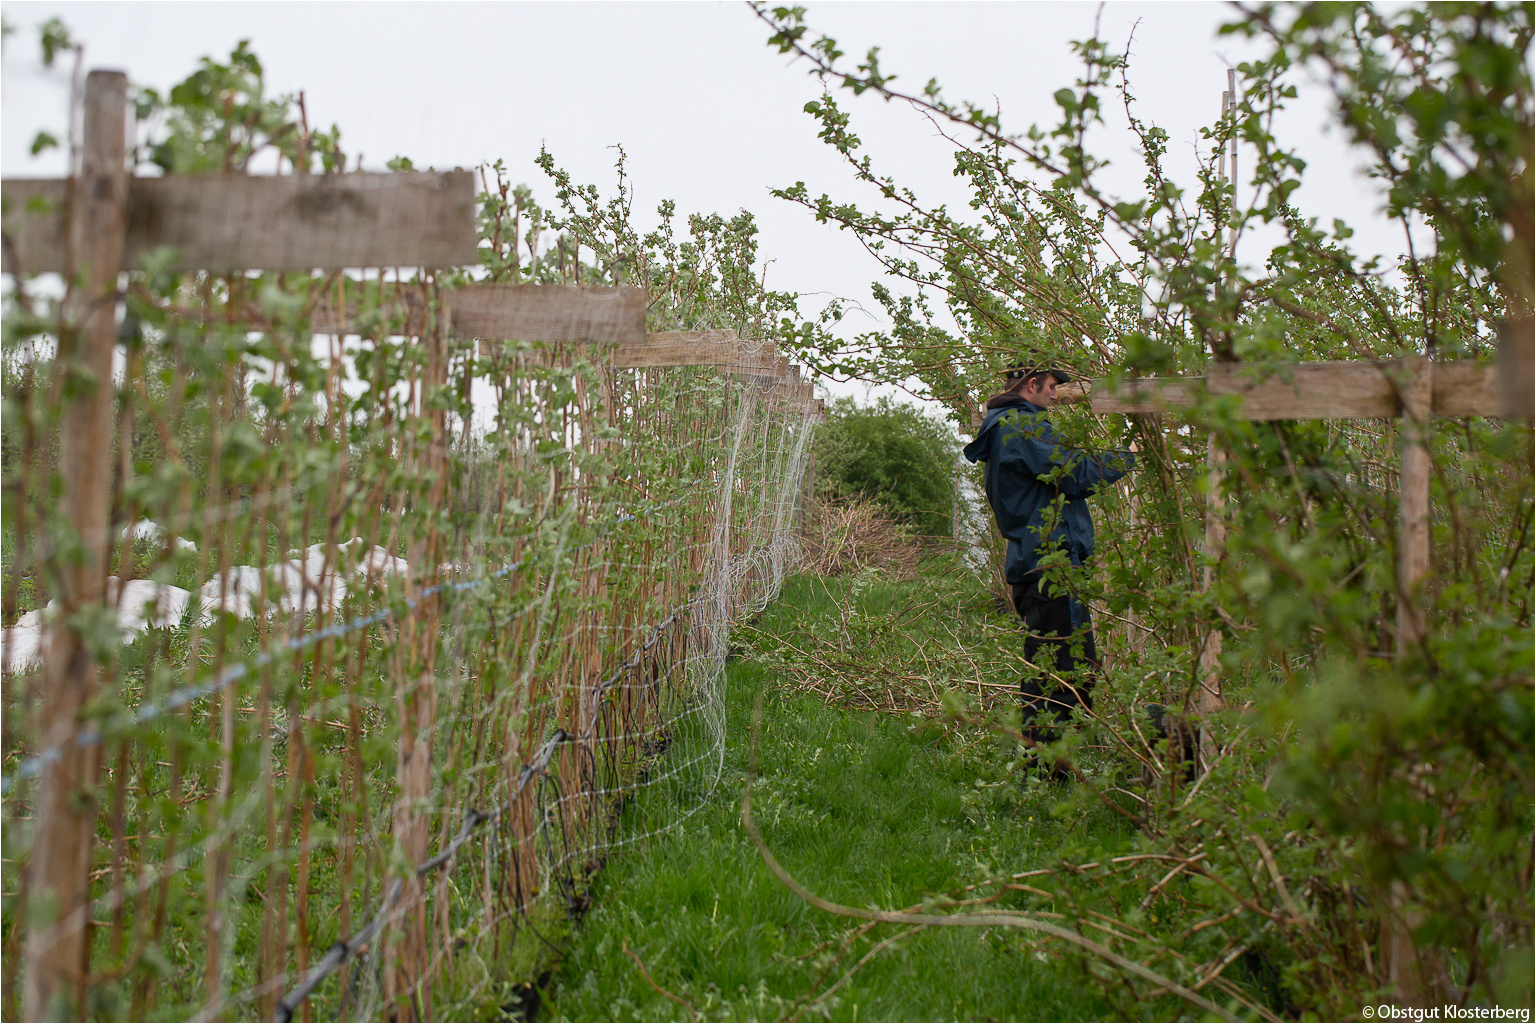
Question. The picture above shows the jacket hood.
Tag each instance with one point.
(1006, 399)
(980, 450)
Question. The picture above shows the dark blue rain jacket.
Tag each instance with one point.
(1020, 446)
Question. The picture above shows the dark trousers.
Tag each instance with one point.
(1049, 642)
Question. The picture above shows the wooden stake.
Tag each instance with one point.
(1413, 498)
(1231, 113)
(416, 702)
(1409, 969)
(57, 941)
(1209, 699)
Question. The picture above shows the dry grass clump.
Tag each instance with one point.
(846, 536)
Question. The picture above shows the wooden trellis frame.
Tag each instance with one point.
(491, 312)
(1412, 388)
(91, 228)
(94, 226)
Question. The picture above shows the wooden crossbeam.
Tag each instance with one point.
(509, 312)
(251, 222)
(1309, 391)
(769, 375)
(602, 316)
(682, 348)
(492, 312)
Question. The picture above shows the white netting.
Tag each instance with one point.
(404, 618)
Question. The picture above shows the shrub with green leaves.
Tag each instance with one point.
(894, 454)
(442, 599)
(1363, 826)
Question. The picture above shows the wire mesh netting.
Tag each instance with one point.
(395, 621)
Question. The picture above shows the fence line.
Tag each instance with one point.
(241, 779)
(91, 735)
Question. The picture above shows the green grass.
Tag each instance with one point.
(865, 810)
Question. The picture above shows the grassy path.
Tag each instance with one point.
(866, 810)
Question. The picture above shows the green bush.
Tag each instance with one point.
(892, 453)
(1360, 825)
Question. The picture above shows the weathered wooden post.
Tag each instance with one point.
(1417, 391)
(1209, 699)
(58, 913)
(1411, 977)
(416, 699)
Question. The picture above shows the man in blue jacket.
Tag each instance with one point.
(1038, 489)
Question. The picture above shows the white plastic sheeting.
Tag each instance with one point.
(296, 585)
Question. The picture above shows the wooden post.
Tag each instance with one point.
(808, 491)
(416, 697)
(58, 944)
(1517, 369)
(1410, 970)
(1209, 698)
(1230, 112)
(1413, 498)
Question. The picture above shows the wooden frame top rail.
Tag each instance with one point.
(1310, 391)
(263, 222)
(604, 316)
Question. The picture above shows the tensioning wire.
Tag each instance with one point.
(91, 735)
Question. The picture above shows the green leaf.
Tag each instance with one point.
(54, 36)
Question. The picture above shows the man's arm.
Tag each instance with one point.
(1036, 445)
(1088, 471)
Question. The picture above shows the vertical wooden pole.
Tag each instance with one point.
(1411, 971)
(1413, 499)
(65, 812)
(406, 980)
(1209, 698)
(1230, 112)
(808, 491)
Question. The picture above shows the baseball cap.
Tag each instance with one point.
(1025, 369)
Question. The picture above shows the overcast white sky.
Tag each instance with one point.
(709, 115)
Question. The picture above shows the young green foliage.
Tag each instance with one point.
(1357, 797)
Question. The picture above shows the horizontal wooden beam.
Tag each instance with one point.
(263, 222)
(1144, 395)
(554, 313)
(755, 357)
(1467, 388)
(1310, 391)
(1072, 393)
(509, 312)
(681, 348)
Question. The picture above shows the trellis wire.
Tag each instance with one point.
(260, 779)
